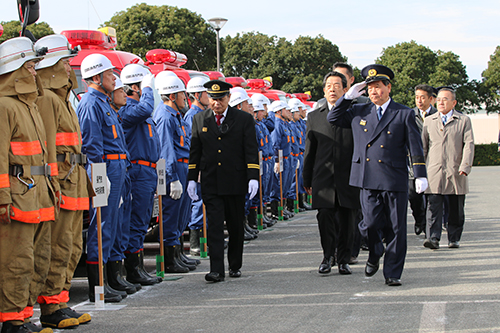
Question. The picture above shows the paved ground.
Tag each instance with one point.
(447, 290)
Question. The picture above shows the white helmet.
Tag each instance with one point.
(258, 106)
(295, 104)
(15, 52)
(118, 82)
(57, 48)
(168, 83)
(277, 106)
(95, 64)
(260, 98)
(238, 97)
(196, 84)
(133, 73)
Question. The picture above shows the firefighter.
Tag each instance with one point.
(116, 279)
(199, 102)
(144, 148)
(63, 141)
(281, 140)
(27, 196)
(103, 141)
(299, 146)
(175, 145)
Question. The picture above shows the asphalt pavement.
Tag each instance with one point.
(444, 290)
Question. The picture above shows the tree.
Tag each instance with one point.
(489, 88)
(294, 67)
(11, 29)
(415, 64)
(142, 27)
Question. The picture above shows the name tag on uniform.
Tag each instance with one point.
(362, 122)
(204, 129)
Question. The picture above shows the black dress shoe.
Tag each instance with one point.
(344, 269)
(454, 245)
(432, 244)
(418, 230)
(234, 274)
(371, 269)
(393, 282)
(214, 277)
(326, 266)
(353, 260)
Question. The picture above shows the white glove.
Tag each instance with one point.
(175, 190)
(147, 81)
(191, 190)
(276, 167)
(355, 91)
(421, 184)
(298, 164)
(108, 186)
(253, 186)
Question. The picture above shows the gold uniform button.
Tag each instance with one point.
(381, 146)
(218, 151)
(388, 132)
(369, 145)
(218, 163)
(380, 161)
(367, 159)
(218, 138)
(366, 130)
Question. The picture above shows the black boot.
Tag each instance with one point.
(171, 265)
(58, 319)
(7, 327)
(274, 209)
(115, 278)
(144, 273)
(132, 265)
(303, 202)
(252, 218)
(194, 241)
(180, 260)
(108, 288)
(93, 278)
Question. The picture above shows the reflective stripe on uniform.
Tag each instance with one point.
(67, 139)
(70, 203)
(54, 171)
(4, 180)
(26, 148)
(33, 216)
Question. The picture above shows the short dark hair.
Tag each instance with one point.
(340, 75)
(345, 66)
(452, 91)
(425, 87)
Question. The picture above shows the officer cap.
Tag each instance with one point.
(435, 91)
(217, 89)
(375, 72)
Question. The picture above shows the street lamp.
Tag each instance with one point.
(217, 23)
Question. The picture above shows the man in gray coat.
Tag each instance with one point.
(448, 144)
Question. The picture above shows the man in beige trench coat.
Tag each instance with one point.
(448, 144)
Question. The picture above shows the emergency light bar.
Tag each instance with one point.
(161, 56)
(302, 96)
(259, 84)
(90, 39)
(237, 81)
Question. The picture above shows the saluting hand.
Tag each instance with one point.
(355, 91)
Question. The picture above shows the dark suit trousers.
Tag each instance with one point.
(229, 208)
(417, 204)
(336, 231)
(456, 217)
(384, 216)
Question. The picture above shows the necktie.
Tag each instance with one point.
(424, 114)
(219, 118)
(443, 118)
(379, 112)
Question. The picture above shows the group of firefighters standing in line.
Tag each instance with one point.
(48, 150)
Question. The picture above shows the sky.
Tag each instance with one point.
(361, 29)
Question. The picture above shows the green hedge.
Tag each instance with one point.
(486, 155)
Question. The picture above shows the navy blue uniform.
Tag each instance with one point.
(144, 151)
(379, 168)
